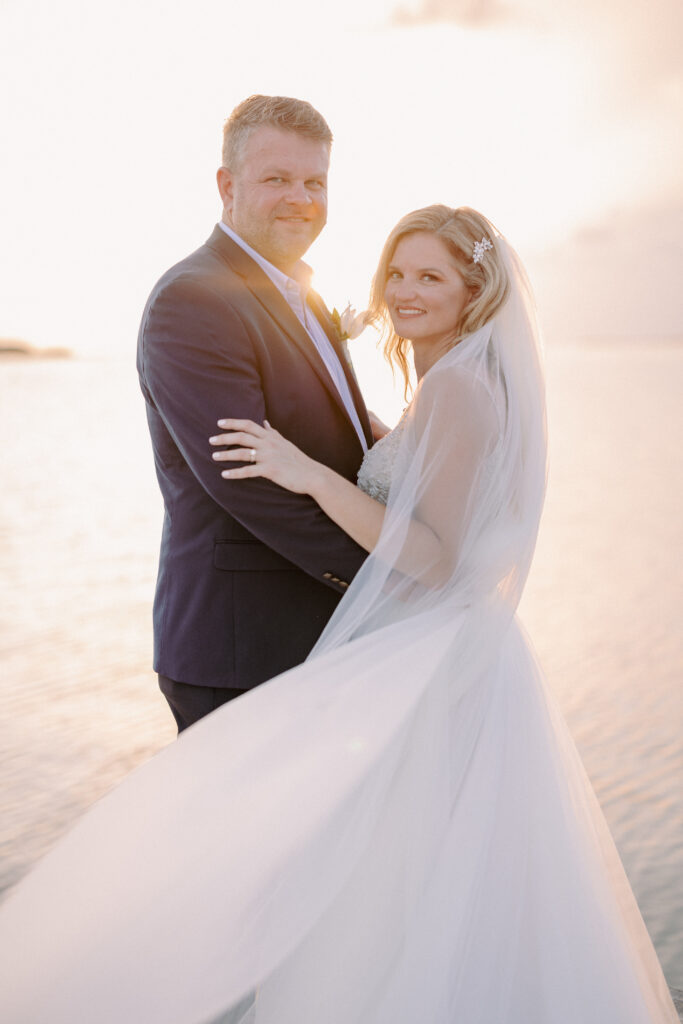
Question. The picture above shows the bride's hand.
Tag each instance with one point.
(267, 453)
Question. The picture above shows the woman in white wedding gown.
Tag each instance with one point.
(399, 830)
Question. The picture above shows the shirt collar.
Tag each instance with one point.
(282, 281)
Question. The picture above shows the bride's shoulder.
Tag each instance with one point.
(457, 392)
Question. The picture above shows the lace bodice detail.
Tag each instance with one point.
(375, 473)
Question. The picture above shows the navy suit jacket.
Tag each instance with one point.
(249, 573)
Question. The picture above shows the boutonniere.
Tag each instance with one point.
(349, 324)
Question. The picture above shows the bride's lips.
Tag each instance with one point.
(409, 311)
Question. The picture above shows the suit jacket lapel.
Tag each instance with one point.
(260, 285)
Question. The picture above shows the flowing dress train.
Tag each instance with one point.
(398, 831)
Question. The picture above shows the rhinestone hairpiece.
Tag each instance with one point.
(480, 248)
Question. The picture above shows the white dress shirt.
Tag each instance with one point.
(295, 293)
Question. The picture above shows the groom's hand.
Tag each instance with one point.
(379, 429)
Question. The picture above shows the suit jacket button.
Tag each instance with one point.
(327, 575)
(343, 583)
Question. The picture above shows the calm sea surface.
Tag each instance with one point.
(79, 530)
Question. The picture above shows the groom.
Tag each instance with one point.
(249, 573)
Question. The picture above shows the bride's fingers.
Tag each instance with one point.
(240, 437)
(242, 472)
(234, 455)
(248, 425)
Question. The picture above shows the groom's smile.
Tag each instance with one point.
(276, 198)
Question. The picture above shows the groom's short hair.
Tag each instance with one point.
(276, 111)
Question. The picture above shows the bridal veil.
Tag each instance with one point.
(397, 831)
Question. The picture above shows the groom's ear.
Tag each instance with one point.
(224, 180)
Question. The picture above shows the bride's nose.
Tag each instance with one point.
(404, 291)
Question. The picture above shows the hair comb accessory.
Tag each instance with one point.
(480, 248)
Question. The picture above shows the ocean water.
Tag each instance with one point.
(80, 520)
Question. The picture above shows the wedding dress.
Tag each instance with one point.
(398, 831)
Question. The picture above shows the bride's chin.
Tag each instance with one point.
(400, 331)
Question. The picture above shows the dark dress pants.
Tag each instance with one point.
(190, 703)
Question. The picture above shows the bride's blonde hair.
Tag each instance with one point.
(459, 229)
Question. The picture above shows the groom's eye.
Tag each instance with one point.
(274, 181)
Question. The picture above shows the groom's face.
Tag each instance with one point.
(276, 199)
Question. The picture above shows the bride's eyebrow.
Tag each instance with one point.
(420, 270)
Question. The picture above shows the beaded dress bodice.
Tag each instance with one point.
(375, 473)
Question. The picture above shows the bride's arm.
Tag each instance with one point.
(456, 426)
(277, 459)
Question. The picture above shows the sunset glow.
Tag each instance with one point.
(562, 127)
(561, 121)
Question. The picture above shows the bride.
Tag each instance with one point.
(399, 830)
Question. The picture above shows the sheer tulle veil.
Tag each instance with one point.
(472, 466)
(400, 829)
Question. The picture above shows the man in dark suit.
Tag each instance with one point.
(249, 573)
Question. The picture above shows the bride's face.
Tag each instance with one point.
(425, 293)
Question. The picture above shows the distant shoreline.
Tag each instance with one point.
(17, 350)
(14, 348)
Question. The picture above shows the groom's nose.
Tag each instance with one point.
(297, 194)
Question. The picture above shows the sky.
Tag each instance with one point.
(561, 122)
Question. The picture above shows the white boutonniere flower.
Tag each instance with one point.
(349, 324)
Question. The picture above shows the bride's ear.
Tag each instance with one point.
(473, 294)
